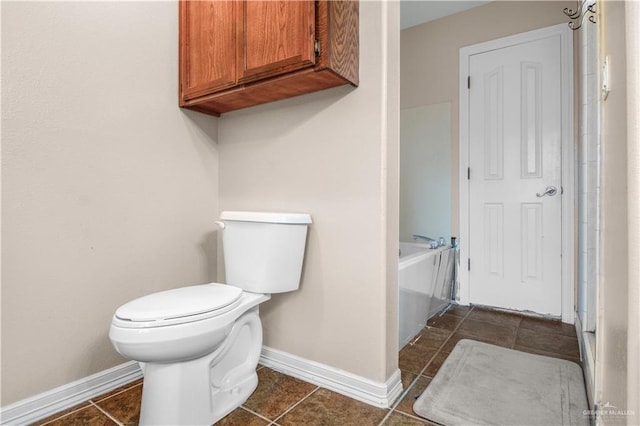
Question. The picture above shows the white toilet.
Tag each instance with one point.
(200, 345)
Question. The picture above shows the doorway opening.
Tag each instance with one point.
(511, 74)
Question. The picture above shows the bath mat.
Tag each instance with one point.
(482, 384)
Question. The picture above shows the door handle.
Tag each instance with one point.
(549, 190)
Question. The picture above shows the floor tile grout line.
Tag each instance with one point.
(295, 405)
(406, 391)
(413, 382)
(434, 355)
(519, 327)
(84, 407)
(395, 404)
(547, 353)
(401, 397)
(548, 333)
(412, 416)
(106, 413)
(89, 403)
(524, 316)
(445, 342)
(101, 398)
(517, 332)
(256, 414)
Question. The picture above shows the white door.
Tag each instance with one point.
(515, 137)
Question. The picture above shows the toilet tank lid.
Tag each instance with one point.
(292, 218)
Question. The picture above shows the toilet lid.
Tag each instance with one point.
(179, 302)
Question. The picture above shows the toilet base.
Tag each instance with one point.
(204, 390)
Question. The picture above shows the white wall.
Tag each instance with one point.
(425, 171)
(109, 190)
(632, 38)
(615, 288)
(332, 154)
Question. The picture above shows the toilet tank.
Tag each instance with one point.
(263, 252)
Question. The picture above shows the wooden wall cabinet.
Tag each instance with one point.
(240, 53)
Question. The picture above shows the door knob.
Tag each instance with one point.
(549, 190)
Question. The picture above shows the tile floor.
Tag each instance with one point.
(284, 400)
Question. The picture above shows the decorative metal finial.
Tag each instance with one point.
(578, 16)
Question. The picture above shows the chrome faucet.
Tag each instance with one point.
(433, 243)
(422, 237)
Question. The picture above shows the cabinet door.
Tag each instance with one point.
(279, 37)
(209, 46)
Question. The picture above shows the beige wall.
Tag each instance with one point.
(430, 57)
(332, 154)
(109, 191)
(612, 328)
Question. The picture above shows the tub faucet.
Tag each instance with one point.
(432, 243)
(422, 237)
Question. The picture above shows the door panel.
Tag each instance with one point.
(515, 153)
(493, 229)
(278, 36)
(209, 46)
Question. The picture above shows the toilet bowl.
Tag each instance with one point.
(200, 345)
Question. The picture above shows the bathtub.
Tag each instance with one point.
(425, 277)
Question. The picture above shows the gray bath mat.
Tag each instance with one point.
(482, 384)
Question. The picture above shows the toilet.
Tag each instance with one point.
(199, 345)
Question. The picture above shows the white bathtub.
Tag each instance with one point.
(425, 277)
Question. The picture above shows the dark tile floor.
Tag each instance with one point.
(284, 400)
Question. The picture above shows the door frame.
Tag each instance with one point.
(567, 149)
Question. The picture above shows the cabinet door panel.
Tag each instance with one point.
(209, 45)
(279, 37)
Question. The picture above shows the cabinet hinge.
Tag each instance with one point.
(316, 47)
(468, 82)
(468, 264)
(468, 173)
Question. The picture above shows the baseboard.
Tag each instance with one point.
(586, 342)
(66, 396)
(379, 394)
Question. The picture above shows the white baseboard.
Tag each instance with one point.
(368, 391)
(586, 341)
(66, 396)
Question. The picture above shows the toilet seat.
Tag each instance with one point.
(178, 306)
